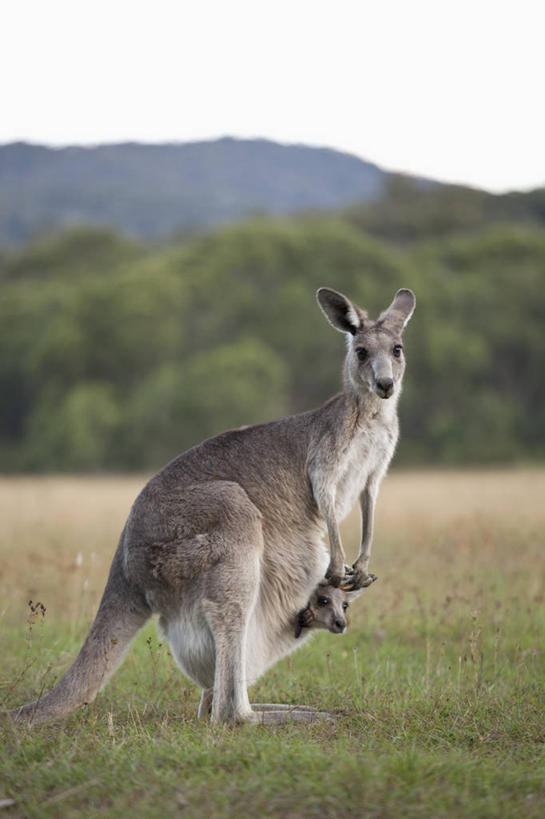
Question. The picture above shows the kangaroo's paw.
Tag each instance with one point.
(357, 579)
(335, 574)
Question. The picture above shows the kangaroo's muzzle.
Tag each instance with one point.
(384, 387)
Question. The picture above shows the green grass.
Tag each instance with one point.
(439, 683)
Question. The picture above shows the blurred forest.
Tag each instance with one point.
(118, 353)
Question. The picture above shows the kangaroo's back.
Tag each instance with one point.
(268, 460)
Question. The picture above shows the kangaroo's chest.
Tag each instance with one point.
(370, 452)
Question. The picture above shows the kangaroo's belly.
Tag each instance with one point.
(192, 644)
(270, 632)
(265, 648)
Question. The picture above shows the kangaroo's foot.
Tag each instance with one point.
(277, 714)
(357, 578)
(280, 714)
(280, 706)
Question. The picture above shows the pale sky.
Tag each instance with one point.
(450, 90)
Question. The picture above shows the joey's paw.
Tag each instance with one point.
(305, 619)
(358, 579)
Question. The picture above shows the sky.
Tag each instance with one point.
(449, 90)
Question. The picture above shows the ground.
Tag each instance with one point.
(439, 682)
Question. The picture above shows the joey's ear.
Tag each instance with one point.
(399, 312)
(352, 595)
(343, 314)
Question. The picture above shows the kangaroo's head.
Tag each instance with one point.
(328, 606)
(375, 361)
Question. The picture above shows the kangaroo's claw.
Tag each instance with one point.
(357, 580)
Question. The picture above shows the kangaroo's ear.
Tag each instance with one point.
(343, 314)
(399, 312)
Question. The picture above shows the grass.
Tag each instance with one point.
(440, 679)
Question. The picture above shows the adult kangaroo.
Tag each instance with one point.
(226, 542)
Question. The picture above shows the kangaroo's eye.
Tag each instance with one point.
(361, 352)
(397, 350)
(323, 601)
(345, 606)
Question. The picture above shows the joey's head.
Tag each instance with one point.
(375, 361)
(327, 608)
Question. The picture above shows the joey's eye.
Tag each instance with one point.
(361, 352)
(345, 606)
(397, 350)
(323, 601)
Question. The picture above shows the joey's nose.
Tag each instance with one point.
(339, 625)
(385, 387)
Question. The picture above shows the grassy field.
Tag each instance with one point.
(440, 680)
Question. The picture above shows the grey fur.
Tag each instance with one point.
(225, 543)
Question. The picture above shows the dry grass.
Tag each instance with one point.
(441, 675)
(58, 537)
(435, 531)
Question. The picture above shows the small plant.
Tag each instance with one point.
(36, 611)
(475, 652)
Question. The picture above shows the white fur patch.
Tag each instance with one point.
(352, 317)
(192, 645)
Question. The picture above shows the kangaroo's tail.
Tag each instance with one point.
(121, 614)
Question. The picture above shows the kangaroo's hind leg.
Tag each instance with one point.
(228, 622)
(202, 565)
(229, 594)
(228, 605)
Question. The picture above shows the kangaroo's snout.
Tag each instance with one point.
(384, 387)
(339, 626)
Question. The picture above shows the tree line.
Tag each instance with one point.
(118, 354)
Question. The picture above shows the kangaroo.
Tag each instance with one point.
(325, 609)
(225, 543)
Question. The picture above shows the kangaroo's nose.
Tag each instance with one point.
(340, 624)
(385, 386)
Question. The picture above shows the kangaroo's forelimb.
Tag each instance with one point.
(359, 577)
(335, 572)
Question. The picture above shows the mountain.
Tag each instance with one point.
(152, 191)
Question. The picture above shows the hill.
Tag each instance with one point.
(152, 191)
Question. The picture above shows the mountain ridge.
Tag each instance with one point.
(153, 190)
